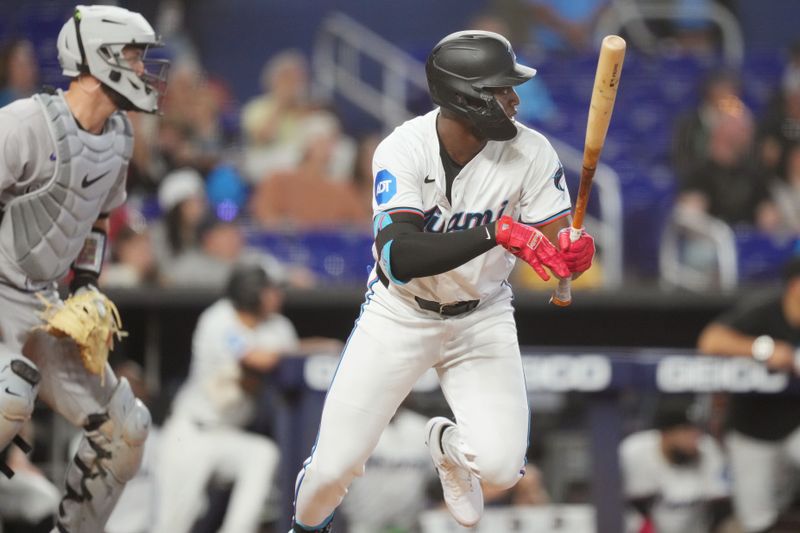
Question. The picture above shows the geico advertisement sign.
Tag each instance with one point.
(700, 374)
(560, 373)
(584, 373)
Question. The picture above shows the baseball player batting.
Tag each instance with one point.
(63, 161)
(450, 186)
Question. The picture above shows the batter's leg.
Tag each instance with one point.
(115, 426)
(383, 358)
(484, 385)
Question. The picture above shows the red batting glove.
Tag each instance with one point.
(530, 245)
(577, 255)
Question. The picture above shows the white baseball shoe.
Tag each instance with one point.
(461, 487)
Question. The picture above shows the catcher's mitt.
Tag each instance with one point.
(91, 320)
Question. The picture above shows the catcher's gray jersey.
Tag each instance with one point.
(55, 180)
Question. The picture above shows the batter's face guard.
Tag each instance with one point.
(463, 69)
(112, 44)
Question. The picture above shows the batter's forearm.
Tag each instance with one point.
(417, 255)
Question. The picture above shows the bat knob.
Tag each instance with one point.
(555, 300)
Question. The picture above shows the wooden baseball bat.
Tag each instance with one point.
(604, 93)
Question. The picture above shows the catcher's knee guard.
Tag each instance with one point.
(19, 383)
(109, 455)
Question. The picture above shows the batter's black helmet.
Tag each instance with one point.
(463, 67)
(245, 286)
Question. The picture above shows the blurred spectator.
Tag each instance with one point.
(307, 197)
(238, 336)
(692, 131)
(227, 191)
(675, 475)
(190, 133)
(19, 71)
(693, 27)
(221, 245)
(729, 185)
(28, 500)
(138, 506)
(274, 117)
(786, 192)
(182, 199)
(271, 123)
(764, 436)
(780, 126)
(146, 167)
(133, 262)
(391, 494)
(565, 26)
(276, 125)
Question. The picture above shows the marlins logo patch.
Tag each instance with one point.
(385, 186)
(558, 178)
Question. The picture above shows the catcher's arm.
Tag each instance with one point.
(87, 266)
(87, 316)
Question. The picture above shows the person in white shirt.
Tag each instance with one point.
(675, 475)
(204, 435)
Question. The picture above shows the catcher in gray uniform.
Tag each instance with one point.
(63, 161)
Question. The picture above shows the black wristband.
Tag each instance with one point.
(82, 278)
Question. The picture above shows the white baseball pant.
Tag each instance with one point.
(477, 358)
(191, 455)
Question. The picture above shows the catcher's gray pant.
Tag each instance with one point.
(28, 497)
(764, 477)
(477, 358)
(114, 421)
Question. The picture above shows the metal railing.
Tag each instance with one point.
(698, 252)
(342, 48)
(630, 14)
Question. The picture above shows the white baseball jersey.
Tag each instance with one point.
(55, 180)
(681, 492)
(212, 394)
(522, 178)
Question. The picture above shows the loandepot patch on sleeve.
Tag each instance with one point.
(385, 186)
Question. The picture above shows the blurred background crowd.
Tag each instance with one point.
(266, 136)
(263, 152)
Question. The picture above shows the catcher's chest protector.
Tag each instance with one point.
(42, 231)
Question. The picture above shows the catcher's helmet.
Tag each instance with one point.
(462, 69)
(245, 286)
(91, 41)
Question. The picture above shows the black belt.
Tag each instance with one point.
(452, 309)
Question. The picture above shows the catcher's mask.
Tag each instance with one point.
(463, 69)
(245, 286)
